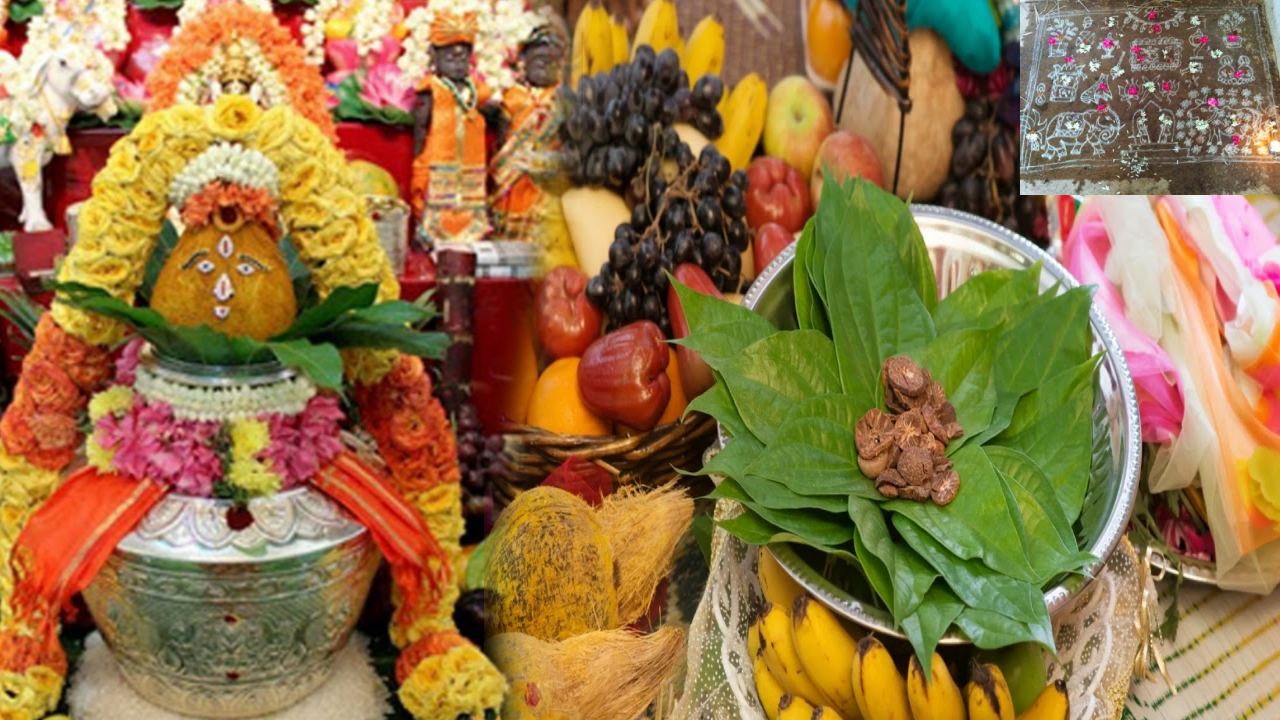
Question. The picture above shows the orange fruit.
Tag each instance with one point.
(828, 43)
(556, 405)
(678, 401)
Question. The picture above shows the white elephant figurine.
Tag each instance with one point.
(42, 90)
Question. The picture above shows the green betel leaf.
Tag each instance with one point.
(703, 311)
(716, 402)
(982, 522)
(319, 317)
(773, 374)
(811, 527)
(356, 334)
(393, 312)
(775, 496)
(752, 529)
(875, 571)
(909, 574)
(811, 313)
(963, 361)
(321, 363)
(930, 621)
(1015, 467)
(872, 298)
(722, 343)
(733, 459)
(1053, 427)
(987, 299)
(991, 630)
(813, 451)
(973, 582)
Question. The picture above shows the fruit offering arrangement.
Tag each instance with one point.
(984, 163)
(1015, 368)
(808, 664)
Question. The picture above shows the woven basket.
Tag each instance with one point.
(650, 458)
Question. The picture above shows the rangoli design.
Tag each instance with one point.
(1147, 85)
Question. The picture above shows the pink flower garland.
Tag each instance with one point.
(302, 444)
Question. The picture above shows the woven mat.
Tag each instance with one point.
(1223, 662)
(773, 55)
(353, 692)
(1181, 94)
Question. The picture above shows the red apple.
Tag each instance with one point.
(567, 321)
(846, 155)
(776, 193)
(771, 240)
(797, 120)
(695, 375)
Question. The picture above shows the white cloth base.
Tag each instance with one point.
(353, 692)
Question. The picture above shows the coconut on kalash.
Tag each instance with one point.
(269, 403)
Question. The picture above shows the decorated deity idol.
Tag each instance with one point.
(525, 159)
(449, 170)
(219, 464)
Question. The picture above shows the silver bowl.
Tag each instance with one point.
(216, 621)
(962, 245)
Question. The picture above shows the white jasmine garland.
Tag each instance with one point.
(242, 402)
(313, 21)
(196, 87)
(227, 162)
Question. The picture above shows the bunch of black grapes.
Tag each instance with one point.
(684, 210)
(984, 162)
(611, 119)
(480, 458)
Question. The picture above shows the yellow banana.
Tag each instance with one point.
(779, 651)
(659, 28)
(620, 42)
(1051, 704)
(592, 43)
(826, 652)
(744, 124)
(878, 687)
(988, 694)
(753, 640)
(704, 54)
(936, 697)
(792, 707)
(767, 686)
(779, 589)
(825, 713)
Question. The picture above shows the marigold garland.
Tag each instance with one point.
(254, 204)
(194, 45)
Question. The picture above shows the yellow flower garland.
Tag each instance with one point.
(119, 224)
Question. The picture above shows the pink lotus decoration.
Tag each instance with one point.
(384, 85)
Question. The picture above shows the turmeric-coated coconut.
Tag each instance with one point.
(551, 568)
(232, 278)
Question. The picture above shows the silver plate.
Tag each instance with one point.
(962, 245)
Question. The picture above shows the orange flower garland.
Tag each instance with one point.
(254, 204)
(413, 434)
(58, 375)
(194, 45)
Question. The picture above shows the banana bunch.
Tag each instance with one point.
(743, 110)
(660, 29)
(599, 43)
(809, 666)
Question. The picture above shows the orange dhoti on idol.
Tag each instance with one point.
(524, 157)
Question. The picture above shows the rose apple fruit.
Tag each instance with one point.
(771, 239)
(776, 193)
(846, 155)
(623, 375)
(797, 119)
(695, 375)
(567, 321)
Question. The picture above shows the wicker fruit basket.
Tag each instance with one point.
(651, 458)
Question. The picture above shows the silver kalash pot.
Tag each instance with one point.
(224, 613)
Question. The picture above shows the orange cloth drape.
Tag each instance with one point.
(68, 540)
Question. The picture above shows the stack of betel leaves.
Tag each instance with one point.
(1015, 365)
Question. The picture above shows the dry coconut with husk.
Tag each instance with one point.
(606, 674)
(559, 567)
